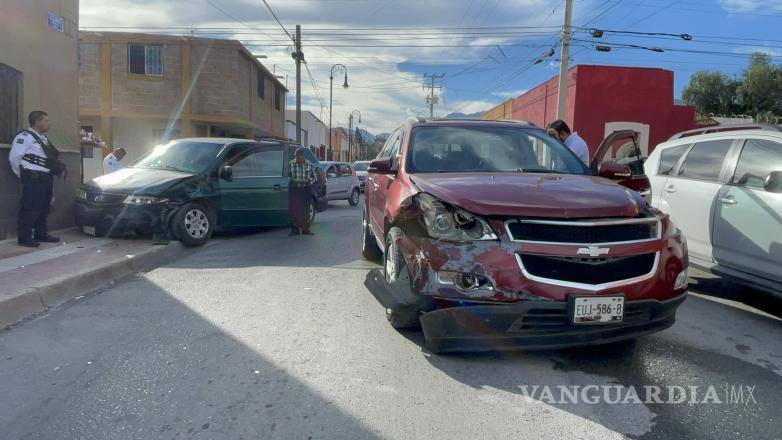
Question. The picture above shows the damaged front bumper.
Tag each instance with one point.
(537, 325)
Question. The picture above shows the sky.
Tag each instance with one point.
(485, 48)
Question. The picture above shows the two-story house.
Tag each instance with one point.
(139, 90)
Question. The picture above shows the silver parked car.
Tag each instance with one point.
(723, 189)
(361, 172)
(342, 182)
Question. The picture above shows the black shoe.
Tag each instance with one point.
(29, 243)
(48, 239)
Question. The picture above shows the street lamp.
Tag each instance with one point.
(350, 134)
(339, 68)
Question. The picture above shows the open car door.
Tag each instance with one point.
(621, 148)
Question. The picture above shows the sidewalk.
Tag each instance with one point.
(32, 280)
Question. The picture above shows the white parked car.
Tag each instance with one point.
(342, 183)
(723, 189)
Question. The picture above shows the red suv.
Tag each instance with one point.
(496, 236)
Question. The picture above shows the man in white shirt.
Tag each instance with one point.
(560, 130)
(33, 160)
(111, 161)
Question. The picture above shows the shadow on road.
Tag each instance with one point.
(136, 362)
(718, 287)
(334, 244)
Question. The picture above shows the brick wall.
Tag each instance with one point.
(90, 84)
(146, 93)
(218, 89)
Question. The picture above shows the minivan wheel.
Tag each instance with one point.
(193, 224)
(311, 209)
(369, 247)
(354, 195)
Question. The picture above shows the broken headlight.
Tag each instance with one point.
(448, 223)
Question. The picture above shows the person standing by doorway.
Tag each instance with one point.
(560, 130)
(34, 161)
(302, 176)
(111, 161)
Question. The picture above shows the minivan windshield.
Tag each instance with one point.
(361, 166)
(489, 149)
(185, 156)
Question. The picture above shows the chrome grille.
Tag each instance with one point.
(99, 198)
(588, 270)
(584, 231)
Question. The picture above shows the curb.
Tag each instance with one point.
(34, 300)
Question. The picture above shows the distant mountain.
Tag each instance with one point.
(383, 135)
(366, 136)
(459, 115)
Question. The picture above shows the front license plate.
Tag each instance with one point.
(591, 310)
(89, 230)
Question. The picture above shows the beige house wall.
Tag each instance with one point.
(48, 62)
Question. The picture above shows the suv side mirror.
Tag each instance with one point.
(381, 166)
(226, 173)
(773, 182)
(614, 171)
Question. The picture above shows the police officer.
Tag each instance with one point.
(34, 160)
(111, 161)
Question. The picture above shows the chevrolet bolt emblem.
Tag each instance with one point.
(592, 251)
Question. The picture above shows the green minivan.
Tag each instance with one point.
(188, 188)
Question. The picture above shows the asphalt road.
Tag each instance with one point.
(265, 336)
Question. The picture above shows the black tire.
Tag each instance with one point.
(311, 209)
(369, 247)
(354, 196)
(396, 275)
(193, 224)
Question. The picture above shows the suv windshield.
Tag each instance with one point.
(188, 157)
(489, 149)
(361, 166)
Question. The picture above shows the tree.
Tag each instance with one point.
(712, 92)
(358, 141)
(760, 90)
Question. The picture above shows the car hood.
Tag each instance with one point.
(137, 181)
(532, 195)
(361, 173)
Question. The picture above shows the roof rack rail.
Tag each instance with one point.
(723, 128)
(518, 121)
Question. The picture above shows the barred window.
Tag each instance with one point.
(145, 59)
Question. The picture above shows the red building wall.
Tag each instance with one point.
(602, 94)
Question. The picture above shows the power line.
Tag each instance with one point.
(271, 11)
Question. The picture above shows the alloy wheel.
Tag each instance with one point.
(196, 223)
(390, 261)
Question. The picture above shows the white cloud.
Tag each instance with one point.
(511, 93)
(750, 5)
(761, 49)
(383, 92)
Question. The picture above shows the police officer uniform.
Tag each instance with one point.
(110, 163)
(31, 164)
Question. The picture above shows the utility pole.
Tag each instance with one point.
(563, 64)
(431, 98)
(299, 57)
